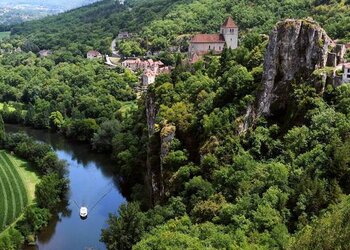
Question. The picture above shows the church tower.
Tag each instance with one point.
(230, 32)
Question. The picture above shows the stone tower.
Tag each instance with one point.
(230, 32)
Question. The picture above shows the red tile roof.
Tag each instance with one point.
(208, 38)
(229, 23)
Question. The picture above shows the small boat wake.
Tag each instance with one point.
(83, 209)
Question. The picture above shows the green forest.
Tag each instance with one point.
(284, 184)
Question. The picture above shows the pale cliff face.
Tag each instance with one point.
(296, 49)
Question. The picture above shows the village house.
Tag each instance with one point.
(132, 64)
(150, 74)
(138, 64)
(45, 53)
(93, 54)
(346, 73)
(202, 44)
(151, 69)
(148, 77)
(124, 35)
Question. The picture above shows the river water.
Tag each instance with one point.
(91, 184)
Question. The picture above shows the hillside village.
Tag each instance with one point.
(202, 124)
(200, 45)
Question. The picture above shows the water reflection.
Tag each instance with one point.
(91, 179)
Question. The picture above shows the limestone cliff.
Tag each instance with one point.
(296, 49)
(167, 135)
(157, 149)
(151, 176)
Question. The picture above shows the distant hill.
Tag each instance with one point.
(18, 11)
(160, 22)
(50, 4)
(93, 26)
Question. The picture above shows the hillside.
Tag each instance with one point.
(248, 149)
(51, 4)
(18, 11)
(93, 26)
(161, 23)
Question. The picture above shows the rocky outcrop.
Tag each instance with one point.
(151, 112)
(151, 177)
(167, 135)
(296, 50)
(157, 149)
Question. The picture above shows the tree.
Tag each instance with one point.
(103, 138)
(331, 231)
(56, 120)
(11, 240)
(125, 229)
(50, 191)
(33, 220)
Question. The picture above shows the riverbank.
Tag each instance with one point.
(92, 183)
(22, 180)
(50, 192)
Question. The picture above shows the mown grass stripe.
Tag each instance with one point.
(17, 164)
(18, 180)
(12, 196)
(4, 202)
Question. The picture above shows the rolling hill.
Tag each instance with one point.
(160, 22)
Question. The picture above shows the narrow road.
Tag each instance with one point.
(108, 62)
(113, 45)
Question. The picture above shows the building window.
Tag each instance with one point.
(348, 76)
(219, 47)
(209, 46)
(348, 70)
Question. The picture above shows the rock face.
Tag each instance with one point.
(296, 49)
(151, 177)
(167, 135)
(158, 145)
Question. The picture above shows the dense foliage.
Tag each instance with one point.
(235, 191)
(50, 193)
(160, 24)
(211, 187)
(74, 98)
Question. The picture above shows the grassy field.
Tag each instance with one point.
(17, 186)
(4, 35)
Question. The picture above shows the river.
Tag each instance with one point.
(91, 182)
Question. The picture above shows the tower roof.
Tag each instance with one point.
(229, 23)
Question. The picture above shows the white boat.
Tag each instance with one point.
(83, 212)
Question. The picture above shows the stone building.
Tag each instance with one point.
(93, 54)
(148, 77)
(346, 73)
(202, 44)
(124, 35)
(45, 53)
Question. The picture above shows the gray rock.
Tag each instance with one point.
(296, 49)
